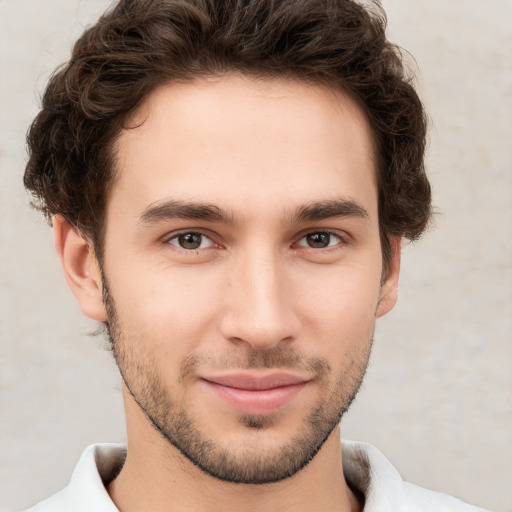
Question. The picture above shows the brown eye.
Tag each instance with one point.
(319, 240)
(191, 241)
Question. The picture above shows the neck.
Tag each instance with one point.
(157, 477)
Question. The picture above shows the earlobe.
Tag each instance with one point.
(81, 268)
(389, 289)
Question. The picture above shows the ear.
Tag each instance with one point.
(389, 288)
(81, 268)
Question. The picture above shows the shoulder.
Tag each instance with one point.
(428, 500)
(86, 490)
(371, 473)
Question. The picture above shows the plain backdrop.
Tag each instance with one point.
(438, 396)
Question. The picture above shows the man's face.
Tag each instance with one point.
(243, 269)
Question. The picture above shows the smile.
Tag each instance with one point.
(250, 394)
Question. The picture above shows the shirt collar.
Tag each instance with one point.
(366, 470)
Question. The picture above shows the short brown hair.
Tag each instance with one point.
(138, 45)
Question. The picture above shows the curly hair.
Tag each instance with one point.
(138, 45)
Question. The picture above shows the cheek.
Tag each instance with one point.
(341, 305)
(166, 306)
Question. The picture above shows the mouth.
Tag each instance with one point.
(250, 393)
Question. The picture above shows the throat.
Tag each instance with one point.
(156, 473)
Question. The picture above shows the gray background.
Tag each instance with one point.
(438, 397)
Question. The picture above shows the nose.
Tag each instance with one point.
(259, 303)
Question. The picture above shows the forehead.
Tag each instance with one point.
(245, 144)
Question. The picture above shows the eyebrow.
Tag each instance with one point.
(310, 212)
(173, 209)
(328, 209)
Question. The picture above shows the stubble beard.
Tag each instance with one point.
(251, 465)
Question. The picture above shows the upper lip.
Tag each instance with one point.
(252, 382)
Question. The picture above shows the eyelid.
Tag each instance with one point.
(341, 235)
(175, 234)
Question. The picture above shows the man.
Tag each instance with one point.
(229, 183)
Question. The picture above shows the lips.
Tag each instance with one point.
(256, 394)
(257, 383)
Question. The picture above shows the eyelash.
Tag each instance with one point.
(330, 234)
(341, 240)
(175, 236)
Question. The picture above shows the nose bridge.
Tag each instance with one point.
(259, 307)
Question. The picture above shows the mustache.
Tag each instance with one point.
(276, 357)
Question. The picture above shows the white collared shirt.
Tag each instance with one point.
(365, 468)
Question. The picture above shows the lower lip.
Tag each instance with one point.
(264, 401)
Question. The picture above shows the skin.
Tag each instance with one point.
(254, 290)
